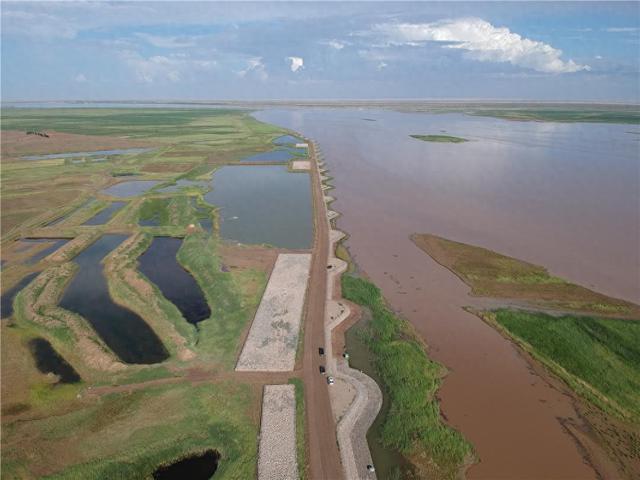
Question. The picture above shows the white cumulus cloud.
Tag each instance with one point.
(483, 41)
(296, 63)
(257, 66)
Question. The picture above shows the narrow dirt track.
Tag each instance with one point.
(324, 457)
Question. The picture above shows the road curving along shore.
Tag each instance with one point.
(354, 423)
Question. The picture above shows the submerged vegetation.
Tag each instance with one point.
(439, 138)
(413, 425)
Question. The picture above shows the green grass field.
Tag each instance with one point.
(599, 358)
(439, 138)
(413, 425)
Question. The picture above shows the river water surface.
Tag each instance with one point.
(560, 195)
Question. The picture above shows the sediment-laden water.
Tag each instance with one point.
(122, 330)
(160, 265)
(556, 194)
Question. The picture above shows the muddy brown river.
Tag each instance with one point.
(560, 195)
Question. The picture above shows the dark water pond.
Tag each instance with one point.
(287, 140)
(160, 265)
(130, 189)
(55, 244)
(196, 467)
(124, 332)
(50, 361)
(263, 204)
(6, 305)
(117, 151)
(103, 216)
(272, 156)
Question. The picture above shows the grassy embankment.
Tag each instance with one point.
(301, 450)
(413, 425)
(597, 357)
(490, 274)
(439, 138)
(233, 297)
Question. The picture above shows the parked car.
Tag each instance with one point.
(321, 351)
(330, 380)
(322, 370)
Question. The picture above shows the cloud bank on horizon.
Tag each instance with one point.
(484, 42)
(200, 50)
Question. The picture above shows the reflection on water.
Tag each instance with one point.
(263, 204)
(160, 265)
(272, 156)
(6, 306)
(54, 244)
(123, 331)
(130, 188)
(105, 215)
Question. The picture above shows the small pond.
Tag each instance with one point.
(6, 305)
(54, 244)
(103, 216)
(287, 140)
(160, 265)
(117, 151)
(263, 204)
(196, 467)
(130, 189)
(50, 361)
(271, 156)
(122, 330)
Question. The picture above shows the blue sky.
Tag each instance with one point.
(308, 50)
